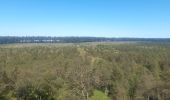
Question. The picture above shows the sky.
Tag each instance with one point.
(96, 18)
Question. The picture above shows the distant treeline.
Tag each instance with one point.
(43, 39)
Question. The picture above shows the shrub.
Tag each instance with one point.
(98, 95)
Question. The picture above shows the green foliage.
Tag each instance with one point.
(122, 70)
(133, 87)
(31, 92)
(98, 95)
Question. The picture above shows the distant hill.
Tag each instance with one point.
(43, 39)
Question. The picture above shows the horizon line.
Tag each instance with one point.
(85, 36)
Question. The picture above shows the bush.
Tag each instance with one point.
(98, 95)
(31, 92)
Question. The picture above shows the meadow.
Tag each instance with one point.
(85, 71)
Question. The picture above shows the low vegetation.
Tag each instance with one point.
(85, 71)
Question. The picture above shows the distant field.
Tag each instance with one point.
(85, 71)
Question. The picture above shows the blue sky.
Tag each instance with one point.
(101, 18)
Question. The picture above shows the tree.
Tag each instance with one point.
(98, 95)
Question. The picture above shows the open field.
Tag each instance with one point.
(85, 71)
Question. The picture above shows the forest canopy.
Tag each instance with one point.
(85, 71)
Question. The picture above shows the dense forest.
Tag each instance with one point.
(85, 71)
(49, 39)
